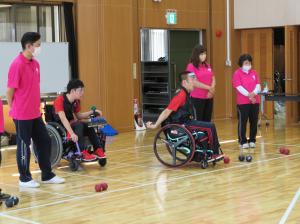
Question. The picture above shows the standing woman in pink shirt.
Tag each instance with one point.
(205, 82)
(247, 84)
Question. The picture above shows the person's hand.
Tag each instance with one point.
(252, 95)
(74, 137)
(212, 90)
(210, 95)
(253, 100)
(150, 125)
(99, 112)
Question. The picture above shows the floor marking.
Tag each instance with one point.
(290, 208)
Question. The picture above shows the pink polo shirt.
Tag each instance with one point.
(1, 117)
(24, 77)
(248, 81)
(205, 75)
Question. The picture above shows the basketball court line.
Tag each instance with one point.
(290, 207)
(95, 177)
(170, 180)
(36, 190)
(18, 219)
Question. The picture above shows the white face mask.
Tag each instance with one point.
(36, 52)
(246, 68)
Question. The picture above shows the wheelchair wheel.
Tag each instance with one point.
(174, 145)
(204, 164)
(74, 164)
(102, 162)
(56, 146)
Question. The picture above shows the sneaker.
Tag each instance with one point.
(245, 146)
(100, 153)
(252, 145)
(54, 180)
(31, 184)
(87, 157)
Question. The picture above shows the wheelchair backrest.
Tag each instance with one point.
(50, 115)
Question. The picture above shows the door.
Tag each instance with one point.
(181, 46)
(259, 43)
(291, 71)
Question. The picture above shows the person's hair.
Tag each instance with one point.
(183, 76)
(74, 84)
(243, 58)
(29, 38)
(195, 60)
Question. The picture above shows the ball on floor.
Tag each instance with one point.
(226, 159)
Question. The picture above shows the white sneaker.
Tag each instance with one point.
(252, 145)
(31, 184)
(54, 180)
(245, 146)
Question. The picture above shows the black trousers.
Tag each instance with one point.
(204, 109)
(210, 128)
(36, 130)
(247, 112)
(81, 129)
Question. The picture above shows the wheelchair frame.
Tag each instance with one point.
(65, 147)
(181, 145)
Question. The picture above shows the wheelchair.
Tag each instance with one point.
(175, 145)
(62, 147)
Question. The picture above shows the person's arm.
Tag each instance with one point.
(162, 117)
(202, 85)
(86, 115)
(67, 125)
(10, 95)
(213, 82)
(242, 90)
(213, 87)
(257, 89)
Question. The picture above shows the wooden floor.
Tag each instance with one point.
(141, 190)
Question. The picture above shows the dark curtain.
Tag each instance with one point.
(71, 38)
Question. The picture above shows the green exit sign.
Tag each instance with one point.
(171, 16)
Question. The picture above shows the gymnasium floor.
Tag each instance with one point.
(141, 190)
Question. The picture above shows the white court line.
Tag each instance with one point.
(95, 177)
(19, 219)
(6, 166)
(276, 144)
(148, 184)
(37, 190)
(290, 208)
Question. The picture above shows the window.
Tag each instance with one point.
(17, 19)
(6, 26)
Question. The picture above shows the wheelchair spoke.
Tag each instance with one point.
(174, 145)
(164, 141)
(174, 156)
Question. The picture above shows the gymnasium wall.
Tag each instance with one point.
(108, 49)
(266, 13)
(108, 43)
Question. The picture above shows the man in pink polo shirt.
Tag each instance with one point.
(247, 84)
(23, 97)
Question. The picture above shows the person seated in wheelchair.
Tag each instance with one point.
(67, 107)
(180, 111)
